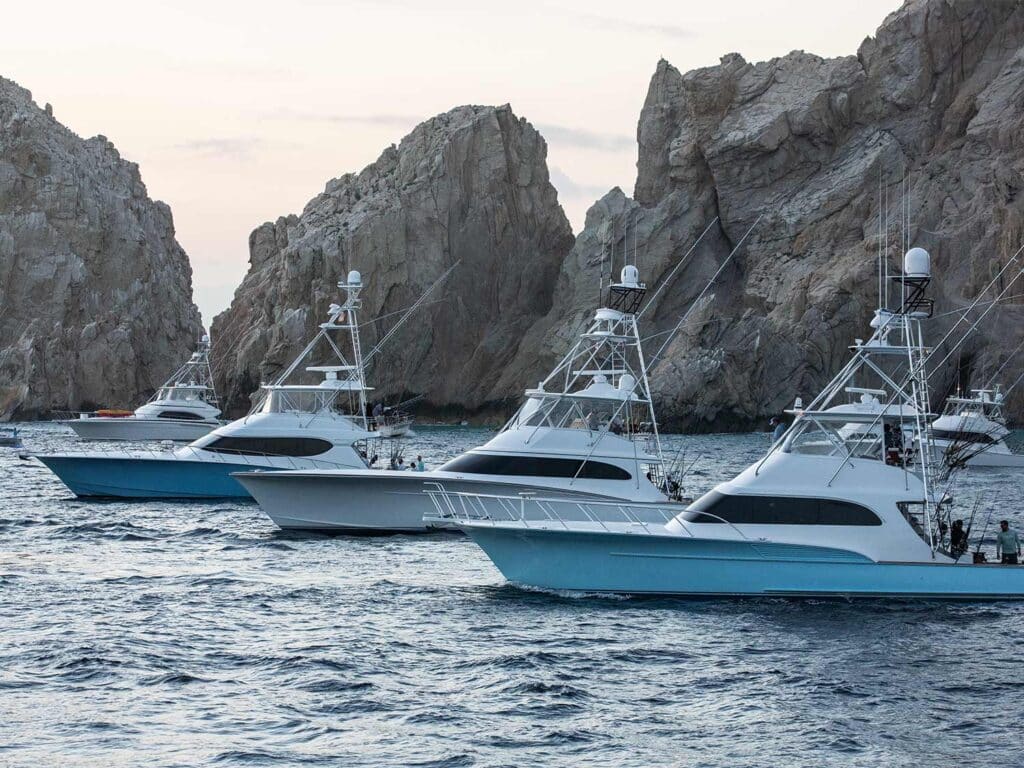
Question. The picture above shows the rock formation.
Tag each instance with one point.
(95, 293)
(794, 150)
(785, 159)
(469, 187)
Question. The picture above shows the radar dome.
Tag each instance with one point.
(627, 382)
(630, 276)
(917, 263)
(354, 278)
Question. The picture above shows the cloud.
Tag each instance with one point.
(636, 27)
(584, 139)
(387, 119)
(394, 121)
(571, 190)
(240, 146)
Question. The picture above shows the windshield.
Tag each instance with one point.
(565, 412)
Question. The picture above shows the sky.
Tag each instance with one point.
(240, 112)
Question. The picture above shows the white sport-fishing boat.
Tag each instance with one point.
(291, 425)
(183, 409)
(855, 520)
(972, 431)
(588, 431)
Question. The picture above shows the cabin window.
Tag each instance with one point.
(770, 510)
(537, 466)
(958, 436)
(184, 415)
(268, 446)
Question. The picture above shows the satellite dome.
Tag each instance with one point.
(354, 278)
(627, 382)
(630, 276)
(917, 263)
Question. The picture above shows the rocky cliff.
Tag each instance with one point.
(793, 160)
(95, 293)
(469, 187)
(798, 150)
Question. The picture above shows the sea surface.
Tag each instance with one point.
(185, 634)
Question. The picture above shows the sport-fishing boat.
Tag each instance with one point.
(972, 430)
(587, 431)
(853, 520)
(291, 425)
(183, 409)
(9, 437)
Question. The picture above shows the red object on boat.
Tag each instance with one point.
(114, 413)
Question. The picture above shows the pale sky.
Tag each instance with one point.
(239, 112)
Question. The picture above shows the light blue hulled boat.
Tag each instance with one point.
(153, 476)
(292, 426)
(844, 505)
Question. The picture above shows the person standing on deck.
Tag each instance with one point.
(1007, 544)
(779, 429)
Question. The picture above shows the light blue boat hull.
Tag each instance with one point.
(147, 478)
(646, 564)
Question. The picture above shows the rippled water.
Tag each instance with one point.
(190, 634)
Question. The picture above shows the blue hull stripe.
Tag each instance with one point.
(135, 478)
(645, 564)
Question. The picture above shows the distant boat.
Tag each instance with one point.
(183, 409)
(9, 437)
(973, 431)
(291, 426)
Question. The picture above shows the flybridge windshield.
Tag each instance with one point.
(181, 393)
(311, 400)
(569, 412)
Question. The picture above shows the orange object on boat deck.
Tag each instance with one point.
(114, 412)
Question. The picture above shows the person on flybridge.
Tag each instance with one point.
(778, 428)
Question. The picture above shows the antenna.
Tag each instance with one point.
(880, 251)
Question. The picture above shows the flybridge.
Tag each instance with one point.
(343, 319)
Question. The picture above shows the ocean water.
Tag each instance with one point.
(182, 634)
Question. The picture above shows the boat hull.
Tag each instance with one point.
(129, 477)
(380, 501)
(677, 565)
(134, 428)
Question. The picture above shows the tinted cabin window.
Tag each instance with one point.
(962, 437)
(185, 415)
(769, 510)
(269, 446)
(536, 466)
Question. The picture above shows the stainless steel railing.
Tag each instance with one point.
(528, 510)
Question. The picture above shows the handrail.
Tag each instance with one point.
(514, 509)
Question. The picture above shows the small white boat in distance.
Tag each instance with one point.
(393, 423)
(857, 519)
(9, 438)
(588, 431)
(972, 431)
(183, 409)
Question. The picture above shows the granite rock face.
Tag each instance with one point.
(468, 186)
(95, 292)
(794, 154)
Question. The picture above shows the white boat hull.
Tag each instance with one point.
(997, 456)
(382, 501)
(141, 429)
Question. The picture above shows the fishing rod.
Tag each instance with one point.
(665, 280)
(970, 526)
(408, 313)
